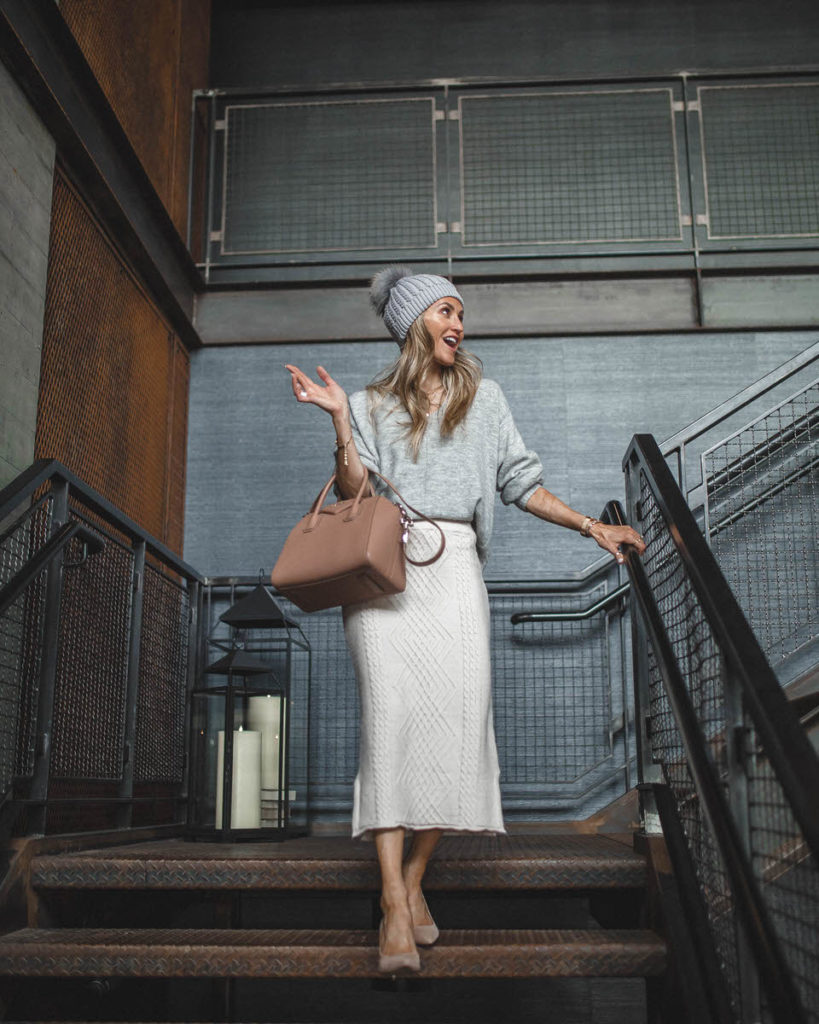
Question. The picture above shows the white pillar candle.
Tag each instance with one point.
(246, 794)
(263, 714)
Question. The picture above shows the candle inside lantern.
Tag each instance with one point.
(245, 804)
(264, 714)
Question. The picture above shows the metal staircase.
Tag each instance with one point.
(108, 913)
(527, 909)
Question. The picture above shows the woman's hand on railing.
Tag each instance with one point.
(611, 538)
(615, 539)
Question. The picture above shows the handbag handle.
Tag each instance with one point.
(315, 509)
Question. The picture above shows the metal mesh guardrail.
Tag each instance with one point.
(96, 659)
(329, 176)
(736, 732)
(699, 658)
(760, 154)
(667, 166)
(560, 166)
(21, 640)
(159, 754)
(761, 518)
(92, 661)
(557, 690)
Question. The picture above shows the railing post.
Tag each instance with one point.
(736, 743)
(126, 787)
(647, 771)
(38, 793)
(194, 649)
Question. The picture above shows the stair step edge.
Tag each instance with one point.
(267, 954)
(87, 873)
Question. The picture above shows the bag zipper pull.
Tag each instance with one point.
(406, 523)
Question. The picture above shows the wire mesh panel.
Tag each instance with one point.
(92, 662)
(159, 755)
(329, 176)
(552, 690)
(785, 871)
(21, 640)
(67, 647)
(760, 152)
(553, 167)
(762, 520)
(702, 669)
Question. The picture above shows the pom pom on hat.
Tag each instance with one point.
(399, 297)
(382, 285)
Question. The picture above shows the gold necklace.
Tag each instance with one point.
(430, 394)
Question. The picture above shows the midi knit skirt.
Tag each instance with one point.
(428, 757)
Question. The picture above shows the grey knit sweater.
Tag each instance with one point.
(454, 477)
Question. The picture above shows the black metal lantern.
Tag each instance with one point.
(240, 753)
(250, 738)
(257, 610)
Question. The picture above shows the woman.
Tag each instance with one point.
(445, 437)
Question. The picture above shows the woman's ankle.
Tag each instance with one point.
(412, 879)
(394, 899)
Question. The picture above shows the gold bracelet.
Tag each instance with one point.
(343, 444)
(586, 525)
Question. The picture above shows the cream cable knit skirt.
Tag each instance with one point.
(428, 757)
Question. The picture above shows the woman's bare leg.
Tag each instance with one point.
(398, 938)
(423, 843)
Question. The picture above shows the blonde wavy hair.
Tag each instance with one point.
(402, 380)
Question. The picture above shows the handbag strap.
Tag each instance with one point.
(440, 551)
(315, 509)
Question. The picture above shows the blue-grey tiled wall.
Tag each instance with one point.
(256, 459)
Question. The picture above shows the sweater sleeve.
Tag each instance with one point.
(363, 437)
(520, 471)
(363, 431)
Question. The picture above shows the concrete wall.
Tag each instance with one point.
(256, 459)
(26, 180)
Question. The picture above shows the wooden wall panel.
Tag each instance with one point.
(148, 56)
(113, 383)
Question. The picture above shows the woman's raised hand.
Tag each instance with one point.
(329, 396)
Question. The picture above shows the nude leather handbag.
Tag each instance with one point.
(348, 552)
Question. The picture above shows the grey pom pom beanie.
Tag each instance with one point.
(399, 297)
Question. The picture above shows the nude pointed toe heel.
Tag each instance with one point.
(396, 963)
(425, 934)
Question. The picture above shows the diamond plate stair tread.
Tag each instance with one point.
(460, 863)
(256, 953)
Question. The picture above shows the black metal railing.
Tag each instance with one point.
(715, 728)
(98, 624)
(748, 472)
(761, 517)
